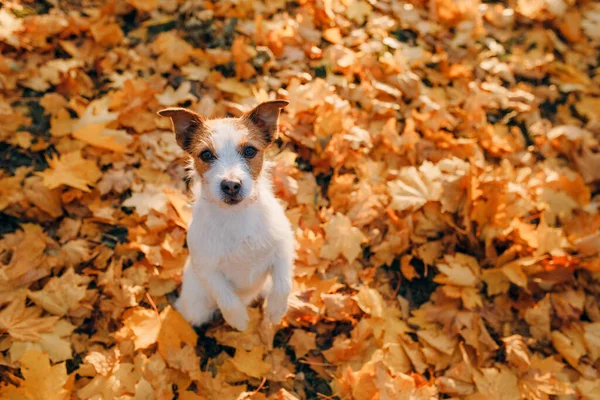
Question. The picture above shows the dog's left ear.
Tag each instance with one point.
(266, 117)
(186, 124)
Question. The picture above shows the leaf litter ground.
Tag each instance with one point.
(439, 161)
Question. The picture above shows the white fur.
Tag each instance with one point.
(229, 164)
(237, 252)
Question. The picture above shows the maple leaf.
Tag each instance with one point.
(172, 48)
(414, 188)
(460, 270)
(342, 239)
(144, 5)
(61, 294)
(43, 198)
(358, 10)
(61, 123)
(303, 342)
(174, 332)
(232, 85)
(56, 344)
(9, 25)
(172, 97)
(195, 72)
(185, 360)
(96, 113)
(370, 301)
(251, 362)
(25, 323)
(145, 325)
(589, 165)
(27, 248)
(497, 384)
(99, 136)
(72, 170)
(41, 381)
(151, 198)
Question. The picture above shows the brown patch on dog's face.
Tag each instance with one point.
(254, 139)
(192, 135)
(262, 124)
(200, 147)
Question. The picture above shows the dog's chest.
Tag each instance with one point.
(246, 240)
(248, 248)
(247, 263)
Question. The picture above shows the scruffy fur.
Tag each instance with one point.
(241, 245)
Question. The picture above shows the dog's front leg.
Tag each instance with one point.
(277, 301)
(231, 306)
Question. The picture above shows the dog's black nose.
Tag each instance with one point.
(231, 188)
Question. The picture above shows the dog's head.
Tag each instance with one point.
(227, 153)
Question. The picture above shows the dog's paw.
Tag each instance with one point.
(275, 309)
(236, 317)
(196, 316)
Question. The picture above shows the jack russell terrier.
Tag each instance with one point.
(240, 241)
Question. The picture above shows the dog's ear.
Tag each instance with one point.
(186, 124)
(266, 117)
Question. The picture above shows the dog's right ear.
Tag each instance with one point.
(186, 124)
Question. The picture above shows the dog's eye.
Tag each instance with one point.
(249, 152)
(207, 156)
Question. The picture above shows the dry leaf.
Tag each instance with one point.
(61, 294)
(41, 381)
(71, 170)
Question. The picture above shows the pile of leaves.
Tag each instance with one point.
(439, 161)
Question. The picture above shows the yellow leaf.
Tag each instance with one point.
(232, 85)
(144, 5)
(61, 294)
(28, 247)
(342, 239)
(99, 136)
(303, 342)
(57, 344)
(96, 113)
(172, 97)
(61, 123)
(358, 11)
(195, 72)
(370, 301)
(567, 348)
(41, 381)
(497, 384)
(174, 331)
(71, 170)
(144, 390)
(459, 270)
(514, 273)
(185, 360)
(24, 323)
(251, 362)
(150, 199)
(414, 188)
(438, 340)
(172, 48)
(145, 324)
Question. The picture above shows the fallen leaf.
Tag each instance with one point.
(41, 381)
(342, 239)
(251, 362)
(72, 170)
(61, 294)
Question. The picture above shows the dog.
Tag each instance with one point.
(240, 241)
